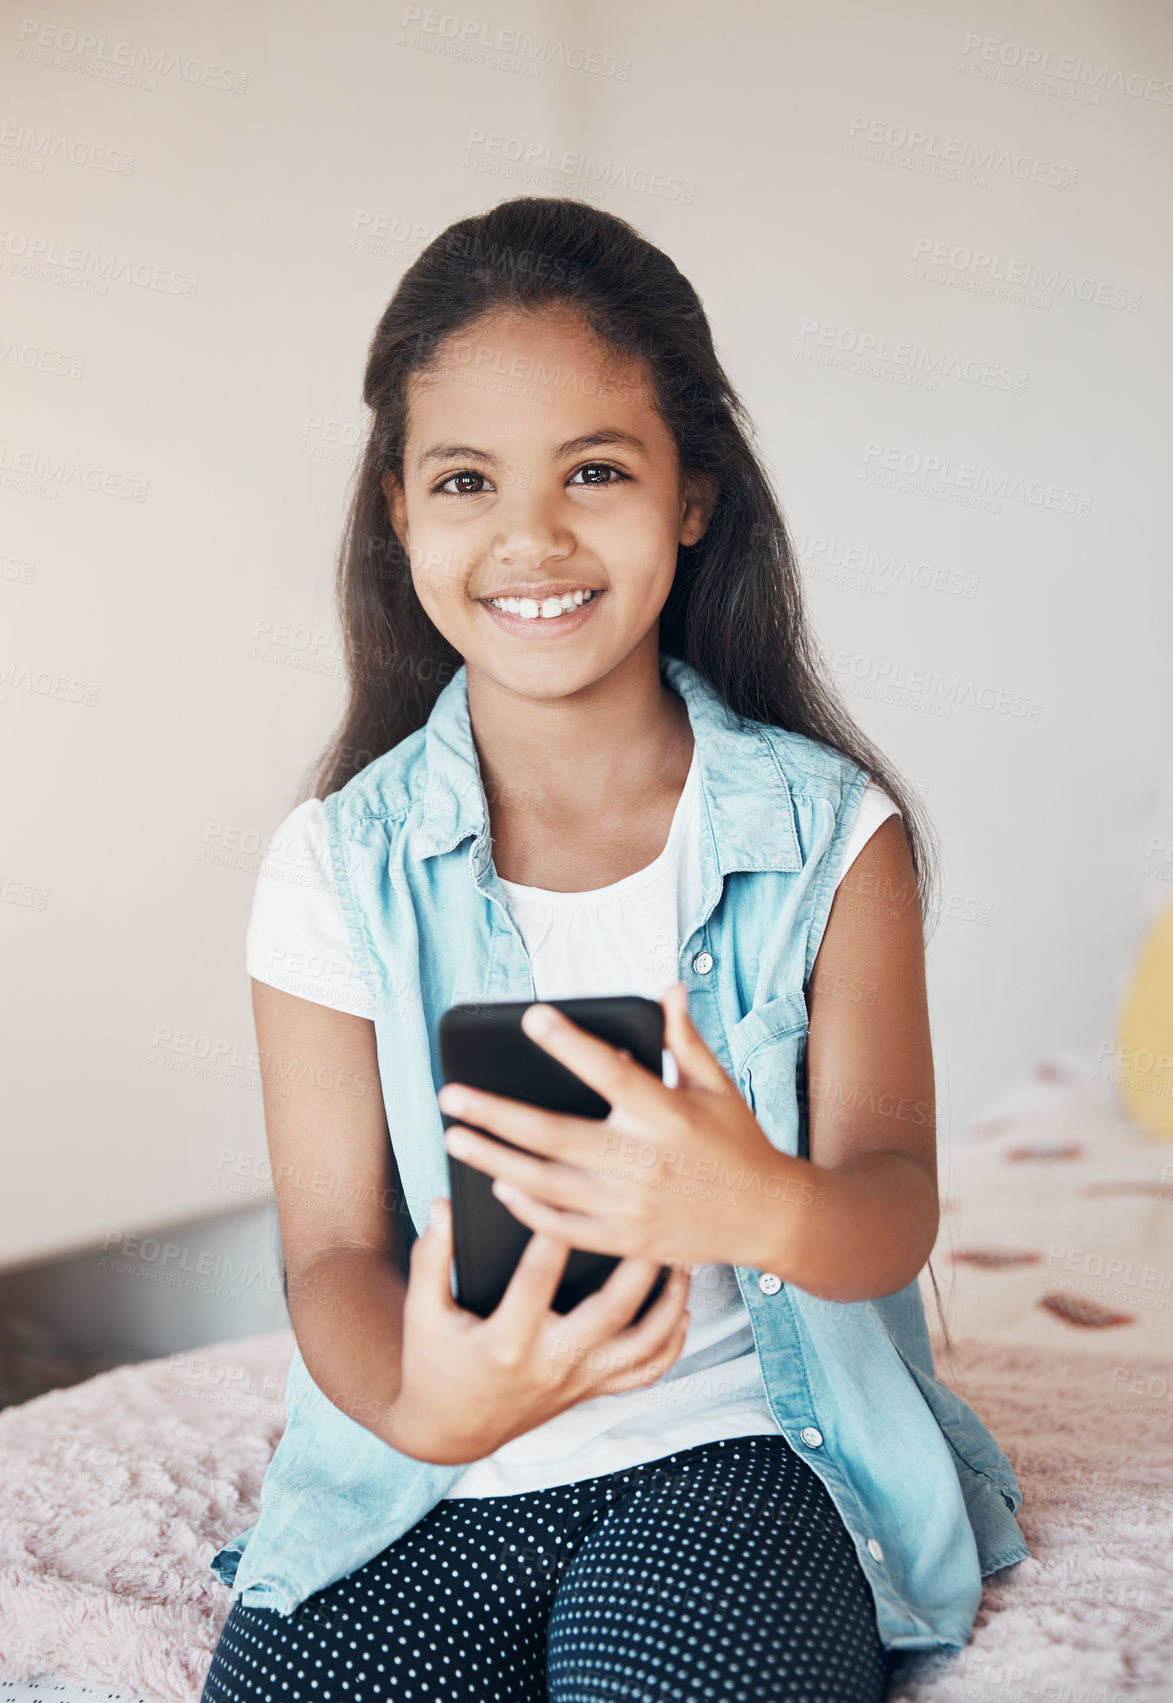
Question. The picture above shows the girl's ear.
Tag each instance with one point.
(396, 506)
(700, 492)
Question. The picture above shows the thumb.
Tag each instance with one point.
(695, 1063)
(430, 1276)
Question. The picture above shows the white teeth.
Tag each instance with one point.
(548, 609)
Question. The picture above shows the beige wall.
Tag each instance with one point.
(178, 436)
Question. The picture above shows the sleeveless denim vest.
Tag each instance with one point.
(924, 1491)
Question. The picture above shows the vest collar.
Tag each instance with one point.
(745, 796)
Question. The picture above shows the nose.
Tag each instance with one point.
(528, 531)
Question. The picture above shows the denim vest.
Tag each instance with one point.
(924, 1491)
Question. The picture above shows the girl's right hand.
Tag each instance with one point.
(468, 1384)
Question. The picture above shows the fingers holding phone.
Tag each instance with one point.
(469, 1384)
(599, 1347)
(608, 1348)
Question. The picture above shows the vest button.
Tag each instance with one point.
(874, 1549)
(703, 963)
(769, 1284)
(811, 1436)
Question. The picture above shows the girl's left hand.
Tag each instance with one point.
(683, 1175)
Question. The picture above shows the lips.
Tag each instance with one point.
(549, 607)
(527, 617)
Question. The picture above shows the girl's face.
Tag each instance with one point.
(538, 477)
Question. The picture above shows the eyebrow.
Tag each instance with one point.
(572, 446)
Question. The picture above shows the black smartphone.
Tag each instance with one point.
(486, 1047)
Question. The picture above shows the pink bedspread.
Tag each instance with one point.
(118, 1490)
(1056, 1255)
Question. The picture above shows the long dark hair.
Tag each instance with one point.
(736, 610)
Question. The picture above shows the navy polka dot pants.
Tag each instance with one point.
(723, 1571)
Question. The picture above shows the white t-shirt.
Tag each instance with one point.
(621, 939)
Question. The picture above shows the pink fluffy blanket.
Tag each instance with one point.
(117, 1492)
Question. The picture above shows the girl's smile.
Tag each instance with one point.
(543, 613)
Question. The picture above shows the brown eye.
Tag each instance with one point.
(465, 490)
(596, 467)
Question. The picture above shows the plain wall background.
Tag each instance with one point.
(170, 666)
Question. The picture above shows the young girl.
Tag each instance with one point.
(588, 752)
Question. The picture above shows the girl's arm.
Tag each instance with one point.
(330, 1152)
(870, 1087)
(400, 1357)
